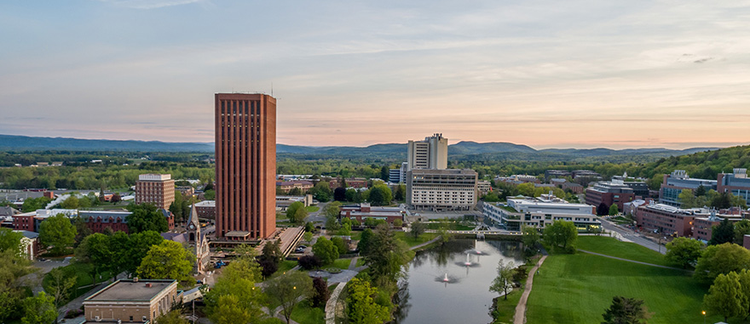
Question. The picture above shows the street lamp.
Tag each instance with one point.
(704, 317)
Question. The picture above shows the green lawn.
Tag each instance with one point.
(360, 262)
(506, 309)
(341, 263)
(286, 265)
(578, 288)
(356, 235)
(411, 241)
(312, 209)
(621, 220)
(613, 247)
(304, 313)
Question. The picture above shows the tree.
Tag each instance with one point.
(683, 251)
(740, 229)
(722, 233)
(626, 310)
(94, 249)
(209, 194)
(502, 284)
(234, 298)
(561, 236)
(361, 307)
(322, 191)
(351, 194)
(340, 245)
(58, 285)
(176, 206)
(296, 212)
(172, 317)
(39, 310)
(721, 259)
(309, 262)
(12, 292)
(365, 241)
(57, 232)
(417, 229)
(288, 290)
(701, 191)
(398, 223)
(168, 260)
(271, 258)
(70, 203)
(613, 210)
(145, 217)
(137, 248)
(10, 240)
(602, 209)
(82, 230)
(385, 173)
(687, 199)
(725, 296)
(321, 293)
(332, 209)
(386, 256)
(400, 194)
(346, 227)
(380, 195)
(325, 250)
(339, 194)
(530, 239)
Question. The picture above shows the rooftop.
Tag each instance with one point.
(130, 290)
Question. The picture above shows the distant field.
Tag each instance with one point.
(611, 246)
(578, 288)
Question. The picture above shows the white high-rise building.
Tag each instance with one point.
(432, 153)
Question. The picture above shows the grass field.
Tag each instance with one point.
(304, 313)
(286, 265)
(506, 309)
(578, 288)
(312, 209)
(411, 241)
(341, 263)
(613, 247)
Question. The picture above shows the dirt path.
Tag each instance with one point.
(520, 317)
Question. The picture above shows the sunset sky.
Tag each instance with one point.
(543, 73)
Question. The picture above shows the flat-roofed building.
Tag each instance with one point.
(283, 202)
(132, 301)
(484, 187)
(206, 209)
(156, 189)
(540, 212)
(98, 220)
(665, 219)
(706, 219)
(364, 211)
(677, 181)
(737, 183)
(441, 190)
(432, 153)
(609, 193)
(302, 185)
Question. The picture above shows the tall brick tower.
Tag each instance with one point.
(245, 166)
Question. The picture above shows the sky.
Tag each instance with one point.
(545, 73)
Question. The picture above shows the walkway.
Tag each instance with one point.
(419, 246)
(331, 304)
(520, 316)
(633, 261)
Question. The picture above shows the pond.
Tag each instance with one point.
(450, 284)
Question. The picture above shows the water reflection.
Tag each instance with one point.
(426, 297)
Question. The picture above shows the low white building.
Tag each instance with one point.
(540, 212)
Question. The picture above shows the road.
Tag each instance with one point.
(632, 236)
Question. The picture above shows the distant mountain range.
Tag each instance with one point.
(464, 148)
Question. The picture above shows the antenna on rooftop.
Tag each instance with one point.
(271, 89)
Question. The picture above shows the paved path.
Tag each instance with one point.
(331, 304)
(353, 264)
(633, 261)
(520, 316)
(425, 243)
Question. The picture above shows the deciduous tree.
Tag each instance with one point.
(321, 293)
(39, 310)
(362, 309)
(503, 283)
(417, 229)
(57, 232)
(722, 233)
(168, 260)
(325, 250)
(58, 285)
(721, 259)
(613, 210)
(530, 240)
(288, 290)
(145, 217)
(561, 236)
(683, 251)
(725, 296)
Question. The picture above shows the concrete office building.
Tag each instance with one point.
(156, 189)
(432, 153)
(540, 212)
(132, 301)
(394, 175)
(677, 181)
(441, 190)
(245, 166)
(364, 211)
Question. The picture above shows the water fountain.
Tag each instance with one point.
(468, 262)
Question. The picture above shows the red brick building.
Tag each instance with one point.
(609, 193)
(364, 211)
(665, 219)
(245, 127)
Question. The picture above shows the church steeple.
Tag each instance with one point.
(194, 226)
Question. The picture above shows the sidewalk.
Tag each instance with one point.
(520, 316)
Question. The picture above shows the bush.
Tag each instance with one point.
(309, 262)
(321, 292)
